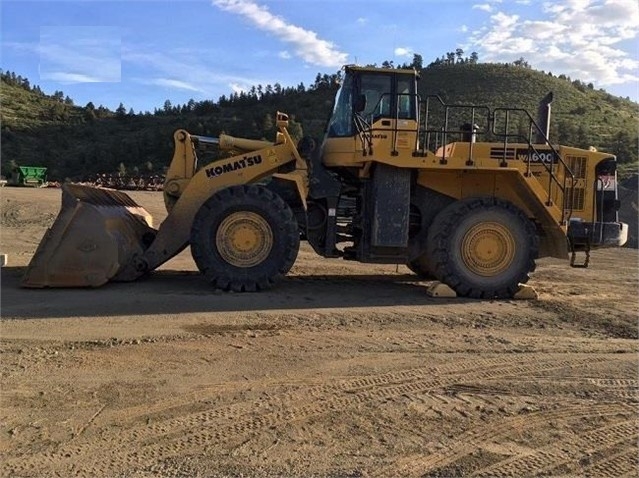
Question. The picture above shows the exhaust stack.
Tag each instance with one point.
(543, 119)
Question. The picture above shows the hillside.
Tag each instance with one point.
(76, 142)
(581, 115)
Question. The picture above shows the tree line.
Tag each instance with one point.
(74, 141)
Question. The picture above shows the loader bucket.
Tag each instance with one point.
(96, 234)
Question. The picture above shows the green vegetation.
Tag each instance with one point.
(581, 116)
(79, 142)
(627, 170)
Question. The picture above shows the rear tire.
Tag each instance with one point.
(244, 238)
(482, 247)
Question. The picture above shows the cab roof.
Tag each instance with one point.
(373, 69)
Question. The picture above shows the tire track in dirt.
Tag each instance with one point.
(463, 445)
(479, 368)
(606, 388)
(619, 465)
(235, 410)
(543, 460)
(625, 389)
(614, 382)
(132, 414)
(141, 447)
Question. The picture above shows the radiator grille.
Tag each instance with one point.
(577, 195)
(576, 198)
(577, 165)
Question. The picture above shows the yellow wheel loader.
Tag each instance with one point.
(398, 178)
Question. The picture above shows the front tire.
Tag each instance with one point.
(482, 247)
(244, 238)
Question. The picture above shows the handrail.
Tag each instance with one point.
(552, 177)
(364, 132)
(363, 123)
(490, 126)
(489, 119)
(444, 131)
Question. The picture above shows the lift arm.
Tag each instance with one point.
(188, 188)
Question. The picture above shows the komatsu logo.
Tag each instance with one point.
(245, 162)
(537, 156)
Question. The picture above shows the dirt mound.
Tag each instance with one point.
(629, 212)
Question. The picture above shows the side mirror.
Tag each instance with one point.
(360, 103)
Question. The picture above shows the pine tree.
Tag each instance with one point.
(120, 112)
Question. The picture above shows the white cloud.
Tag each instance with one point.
(80, 54)
(484, 7)
(305, 43)
(579, 38)
(284, 55)
(507, 22)
(166, 69)
(400, 51)
(542, 30)
(22, 46)
(237, 88)
(361, 21)
(172, 83)
(64, 77)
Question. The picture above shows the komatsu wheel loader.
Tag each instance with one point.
(388, 183)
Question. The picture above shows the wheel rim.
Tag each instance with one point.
(488, 249)
(244, 239)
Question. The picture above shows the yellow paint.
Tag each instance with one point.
(244, 239)
(488, 249)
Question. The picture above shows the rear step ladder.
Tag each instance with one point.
(573, 255)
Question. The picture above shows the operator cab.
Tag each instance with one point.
(375, 96)
(380, 106)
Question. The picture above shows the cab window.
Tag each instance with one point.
(341, 123)
(405, 98)
(377, 91)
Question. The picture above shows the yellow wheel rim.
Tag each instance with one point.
(244, 239)
(488, 249)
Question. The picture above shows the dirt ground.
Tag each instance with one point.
(343, 370)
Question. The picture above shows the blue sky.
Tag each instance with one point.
(143, 52)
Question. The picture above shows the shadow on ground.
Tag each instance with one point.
(167, 292)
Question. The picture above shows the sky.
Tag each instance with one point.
(143, 52)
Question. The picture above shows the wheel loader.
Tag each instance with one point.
(468, 195)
